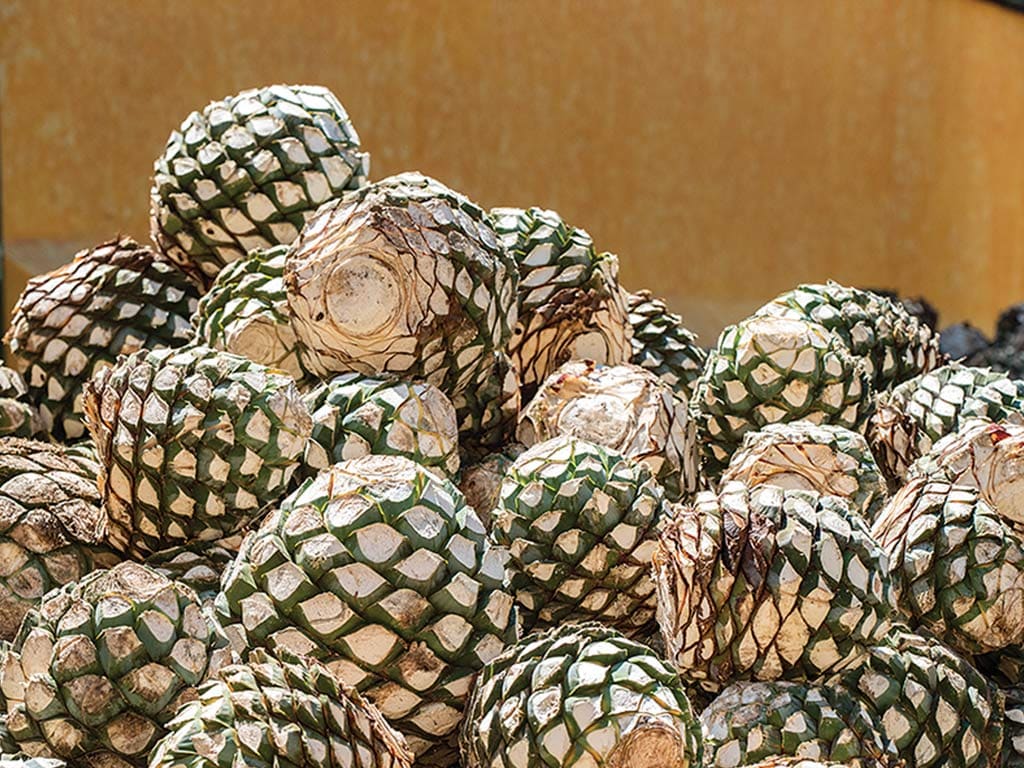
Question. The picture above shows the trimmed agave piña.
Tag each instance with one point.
(97, 671)
(379, 568)
(193, 443)
(52, 528)
(356, 415)
(248, 171)
(570, 303)
(750, 722)
(622, 407)
(245, 312)
(984, 455)
(663, 345)
(579, 521)
(279, 713)
(769, 584)
(894, 345)
(768, 370)
(111, 300)
(813, 457)
(915, 415)
(958, 562)
(480, 483)
(933, 705)
(404, 277)
(579, 696)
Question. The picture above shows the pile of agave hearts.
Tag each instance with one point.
(353, 473)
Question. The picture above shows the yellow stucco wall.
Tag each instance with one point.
(726, 150)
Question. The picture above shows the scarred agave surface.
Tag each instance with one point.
(663, 345)
(115, 299)
(403, 277)
(769, 584)
(937, 709)
(192, 444)
(380, 569)
(579, 695)
(569, 299)
(812, 457)
(958, 561)
(749, 722)
(52, 527)
(911, 418)
(768, 370)
(247, 172)
(275, 713)
(355, 415)
(96, 673)
(622, 407)
(245, 312)
(579, 521)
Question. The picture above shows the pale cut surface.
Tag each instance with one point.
(404, 277)
(811, 457)
(622, 407)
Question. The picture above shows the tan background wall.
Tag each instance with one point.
(726, 150)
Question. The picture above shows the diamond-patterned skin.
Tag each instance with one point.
(404, 277)
(98, 670)
(111, 300)
(579, 521)
(812, 457)
(245, 312)
(663, 345)
(933, 705)
(570, 303)
(379, 568)
(356, 415)
(193, 443)
(910, 419)
(248, 171)
(52, 528)
(768, 370)
(959, 564)
(579, 696)
(769, 584)
(894, 345)
(750, 722)
(271, 713)
(487, 413)
(623, 407)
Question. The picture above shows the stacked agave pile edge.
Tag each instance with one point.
(345, 472)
